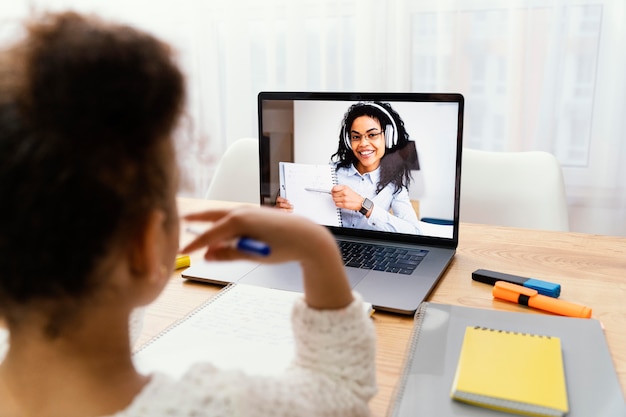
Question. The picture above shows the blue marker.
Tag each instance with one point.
(254, 247)
(549, 289)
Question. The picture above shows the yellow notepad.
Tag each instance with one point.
(515, 372)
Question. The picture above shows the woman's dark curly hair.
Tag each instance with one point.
(393, 169)
(87, 109)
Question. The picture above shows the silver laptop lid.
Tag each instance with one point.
(421, 136)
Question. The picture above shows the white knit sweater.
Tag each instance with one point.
(333, 374)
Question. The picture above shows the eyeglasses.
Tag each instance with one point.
(370, 136)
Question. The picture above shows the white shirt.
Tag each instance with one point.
(403, 220)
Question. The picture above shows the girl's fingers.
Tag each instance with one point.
(207, 215)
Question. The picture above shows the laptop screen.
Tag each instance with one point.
(393, 159)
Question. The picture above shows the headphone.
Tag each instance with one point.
(391, 135)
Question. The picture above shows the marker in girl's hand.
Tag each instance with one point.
(254, 247)
(242, 244)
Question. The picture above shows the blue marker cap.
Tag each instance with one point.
(549, 289)
(245, 244)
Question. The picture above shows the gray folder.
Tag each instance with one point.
(424, 389)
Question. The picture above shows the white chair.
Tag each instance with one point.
(517, 189)
(236, 177)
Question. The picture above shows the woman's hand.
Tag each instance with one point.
(290, 238)
(284, 204)
(346, 198)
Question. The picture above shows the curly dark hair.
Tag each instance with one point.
(87, 109)
(393, 169)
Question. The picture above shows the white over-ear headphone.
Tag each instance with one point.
(391, 131)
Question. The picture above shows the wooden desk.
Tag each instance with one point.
(590, 268)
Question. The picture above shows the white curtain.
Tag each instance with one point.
(536, 74)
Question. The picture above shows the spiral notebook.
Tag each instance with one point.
(435, 347)
(307, 187)
(242, 327)
(521, 373)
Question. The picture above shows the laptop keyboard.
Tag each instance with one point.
(381, 257)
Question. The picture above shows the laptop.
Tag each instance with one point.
(305, 129)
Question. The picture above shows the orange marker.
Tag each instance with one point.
(529, 297)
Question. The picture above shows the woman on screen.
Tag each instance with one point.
(372, 177)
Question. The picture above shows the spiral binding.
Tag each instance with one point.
(333, 173)
(512, 332)
(399, 391)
